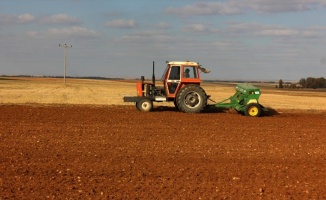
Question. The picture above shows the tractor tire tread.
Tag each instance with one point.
(180, 101)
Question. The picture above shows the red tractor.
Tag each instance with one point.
(181, 85)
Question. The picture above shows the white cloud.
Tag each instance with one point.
(267, 6)
(73, 31)
(25, 18)
(32, 33)
(121, 23)
(60, 19)
(197, 28)
(205, 8)
(144, 36)
(287, 32)
(256, 29)
(6, 19)
(233, 7)
(279, 32)
(163, 25)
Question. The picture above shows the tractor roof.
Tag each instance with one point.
(182, 63)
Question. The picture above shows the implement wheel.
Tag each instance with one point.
(191, 99)
(144, 105)
(253, 110)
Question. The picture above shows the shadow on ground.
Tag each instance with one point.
(212, 109)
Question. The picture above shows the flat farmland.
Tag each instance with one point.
(106, 92)
(80, 141)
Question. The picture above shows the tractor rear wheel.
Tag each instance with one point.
(253, 110)
(191, 99)
(144, 105)
(175, 104)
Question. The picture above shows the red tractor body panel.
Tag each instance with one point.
(140, 89)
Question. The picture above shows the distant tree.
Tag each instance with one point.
(280, 83)
(293, 86)
(311, 83)
(321, 82)
(302, 82)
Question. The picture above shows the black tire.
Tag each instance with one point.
(253, 110)
(144, 105)
(175, 104)
(191, 99)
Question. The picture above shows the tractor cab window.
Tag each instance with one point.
(174, 79)
(189, 72)
(174, 73)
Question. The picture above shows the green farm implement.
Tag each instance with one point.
(245, 100)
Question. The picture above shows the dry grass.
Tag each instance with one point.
(105, 92)
(54, 91)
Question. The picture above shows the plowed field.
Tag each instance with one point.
(117, 152)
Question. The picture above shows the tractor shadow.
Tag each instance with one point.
(265, 111)
(270, 112)
(164, 109)
(212, 109)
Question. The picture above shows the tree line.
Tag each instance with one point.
(309, 82)
(313, 82)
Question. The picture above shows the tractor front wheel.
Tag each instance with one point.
(191, 99)
(253, 110)
(144, 105)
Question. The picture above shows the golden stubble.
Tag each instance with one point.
(111, 92)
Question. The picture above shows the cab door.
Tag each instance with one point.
(173, 81)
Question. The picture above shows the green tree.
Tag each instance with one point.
(302, 82)
(280, 83)
(321, 82)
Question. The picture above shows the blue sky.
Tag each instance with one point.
(247, 39)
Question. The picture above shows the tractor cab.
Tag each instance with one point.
(178, 74)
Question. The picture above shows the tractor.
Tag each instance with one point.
(181, 85)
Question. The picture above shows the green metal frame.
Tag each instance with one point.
(245, 94)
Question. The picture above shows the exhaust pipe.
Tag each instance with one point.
(153, 76)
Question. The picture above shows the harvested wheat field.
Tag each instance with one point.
(60, 144)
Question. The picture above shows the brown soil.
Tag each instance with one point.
(117, 152)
